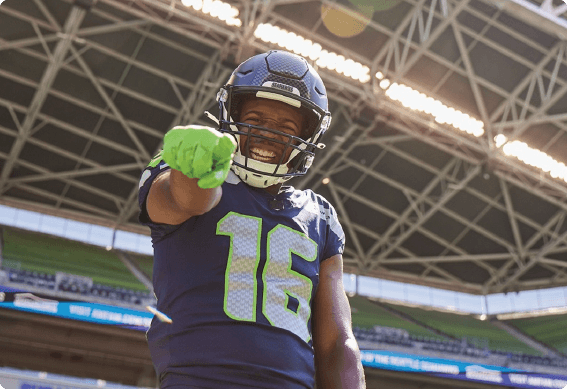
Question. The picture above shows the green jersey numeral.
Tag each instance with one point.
(279, 280)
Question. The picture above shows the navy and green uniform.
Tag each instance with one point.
(238, 283)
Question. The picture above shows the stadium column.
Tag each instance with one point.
(67, 34)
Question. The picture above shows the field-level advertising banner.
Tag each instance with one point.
(85, 311)
(461, 370)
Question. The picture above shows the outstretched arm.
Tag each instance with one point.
(337, 357)
(200, 159)
(174, 198)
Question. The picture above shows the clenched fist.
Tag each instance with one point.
(199, 152)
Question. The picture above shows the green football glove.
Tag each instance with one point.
(199, 152)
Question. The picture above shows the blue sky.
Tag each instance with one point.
(408, 293)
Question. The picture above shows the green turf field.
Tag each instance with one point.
(550, 330)
(49, 254)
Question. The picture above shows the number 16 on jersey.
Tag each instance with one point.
(280, 281)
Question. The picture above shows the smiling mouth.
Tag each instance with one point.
(262, 155)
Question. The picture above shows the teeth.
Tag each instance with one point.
(263, 153)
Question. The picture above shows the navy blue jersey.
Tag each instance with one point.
(238, 283)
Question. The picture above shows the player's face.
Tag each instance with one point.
(274, 115)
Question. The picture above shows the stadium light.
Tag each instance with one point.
(417, 101)
(532, 157)
(407, 96)
(307, 48)
(217, 9)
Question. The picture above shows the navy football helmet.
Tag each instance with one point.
(280, 76)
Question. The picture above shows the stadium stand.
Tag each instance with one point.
(35, 260)
(44, 261)
(376, 325)
(550, 330)
(477, 332)
(367, 315)
(144, 262)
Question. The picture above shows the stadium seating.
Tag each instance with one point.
(39, 257)
(481, 334)
(145, 263)
(550, 330)
(366, 314)
(46, 254)
(475, 338)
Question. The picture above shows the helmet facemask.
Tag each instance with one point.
(300, 149)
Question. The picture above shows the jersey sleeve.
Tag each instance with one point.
(335, 242)
(156, 166)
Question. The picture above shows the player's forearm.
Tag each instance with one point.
(341, 368)
(189, 197)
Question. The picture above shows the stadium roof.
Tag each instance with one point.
(88, 88)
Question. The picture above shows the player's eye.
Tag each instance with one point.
(290, 130)
(251, 119)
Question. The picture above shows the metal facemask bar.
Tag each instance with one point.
(289, 144)
(303, 148)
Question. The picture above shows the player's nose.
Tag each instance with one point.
(268, 131)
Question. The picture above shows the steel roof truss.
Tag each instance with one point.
(479, 100)
(39, 4)
(431, 202)
(550, 231)
(71, 129)
(345, 219)
(529, 81)
(386, 249)
(69, 181)
(492, 201)
(398, 225)
(321, 160)
(393, 215)
(359, 256)
(73, 203)
(72, 23)
(521, 249)
(544, 15)
(426, 39)
(559, 273)
(69, 155)
(511, 170)
(458, 138)
(110, 104)
(91, 107)
(45, 176)
(343, 153)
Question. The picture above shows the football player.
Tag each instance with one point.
(249, 270)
